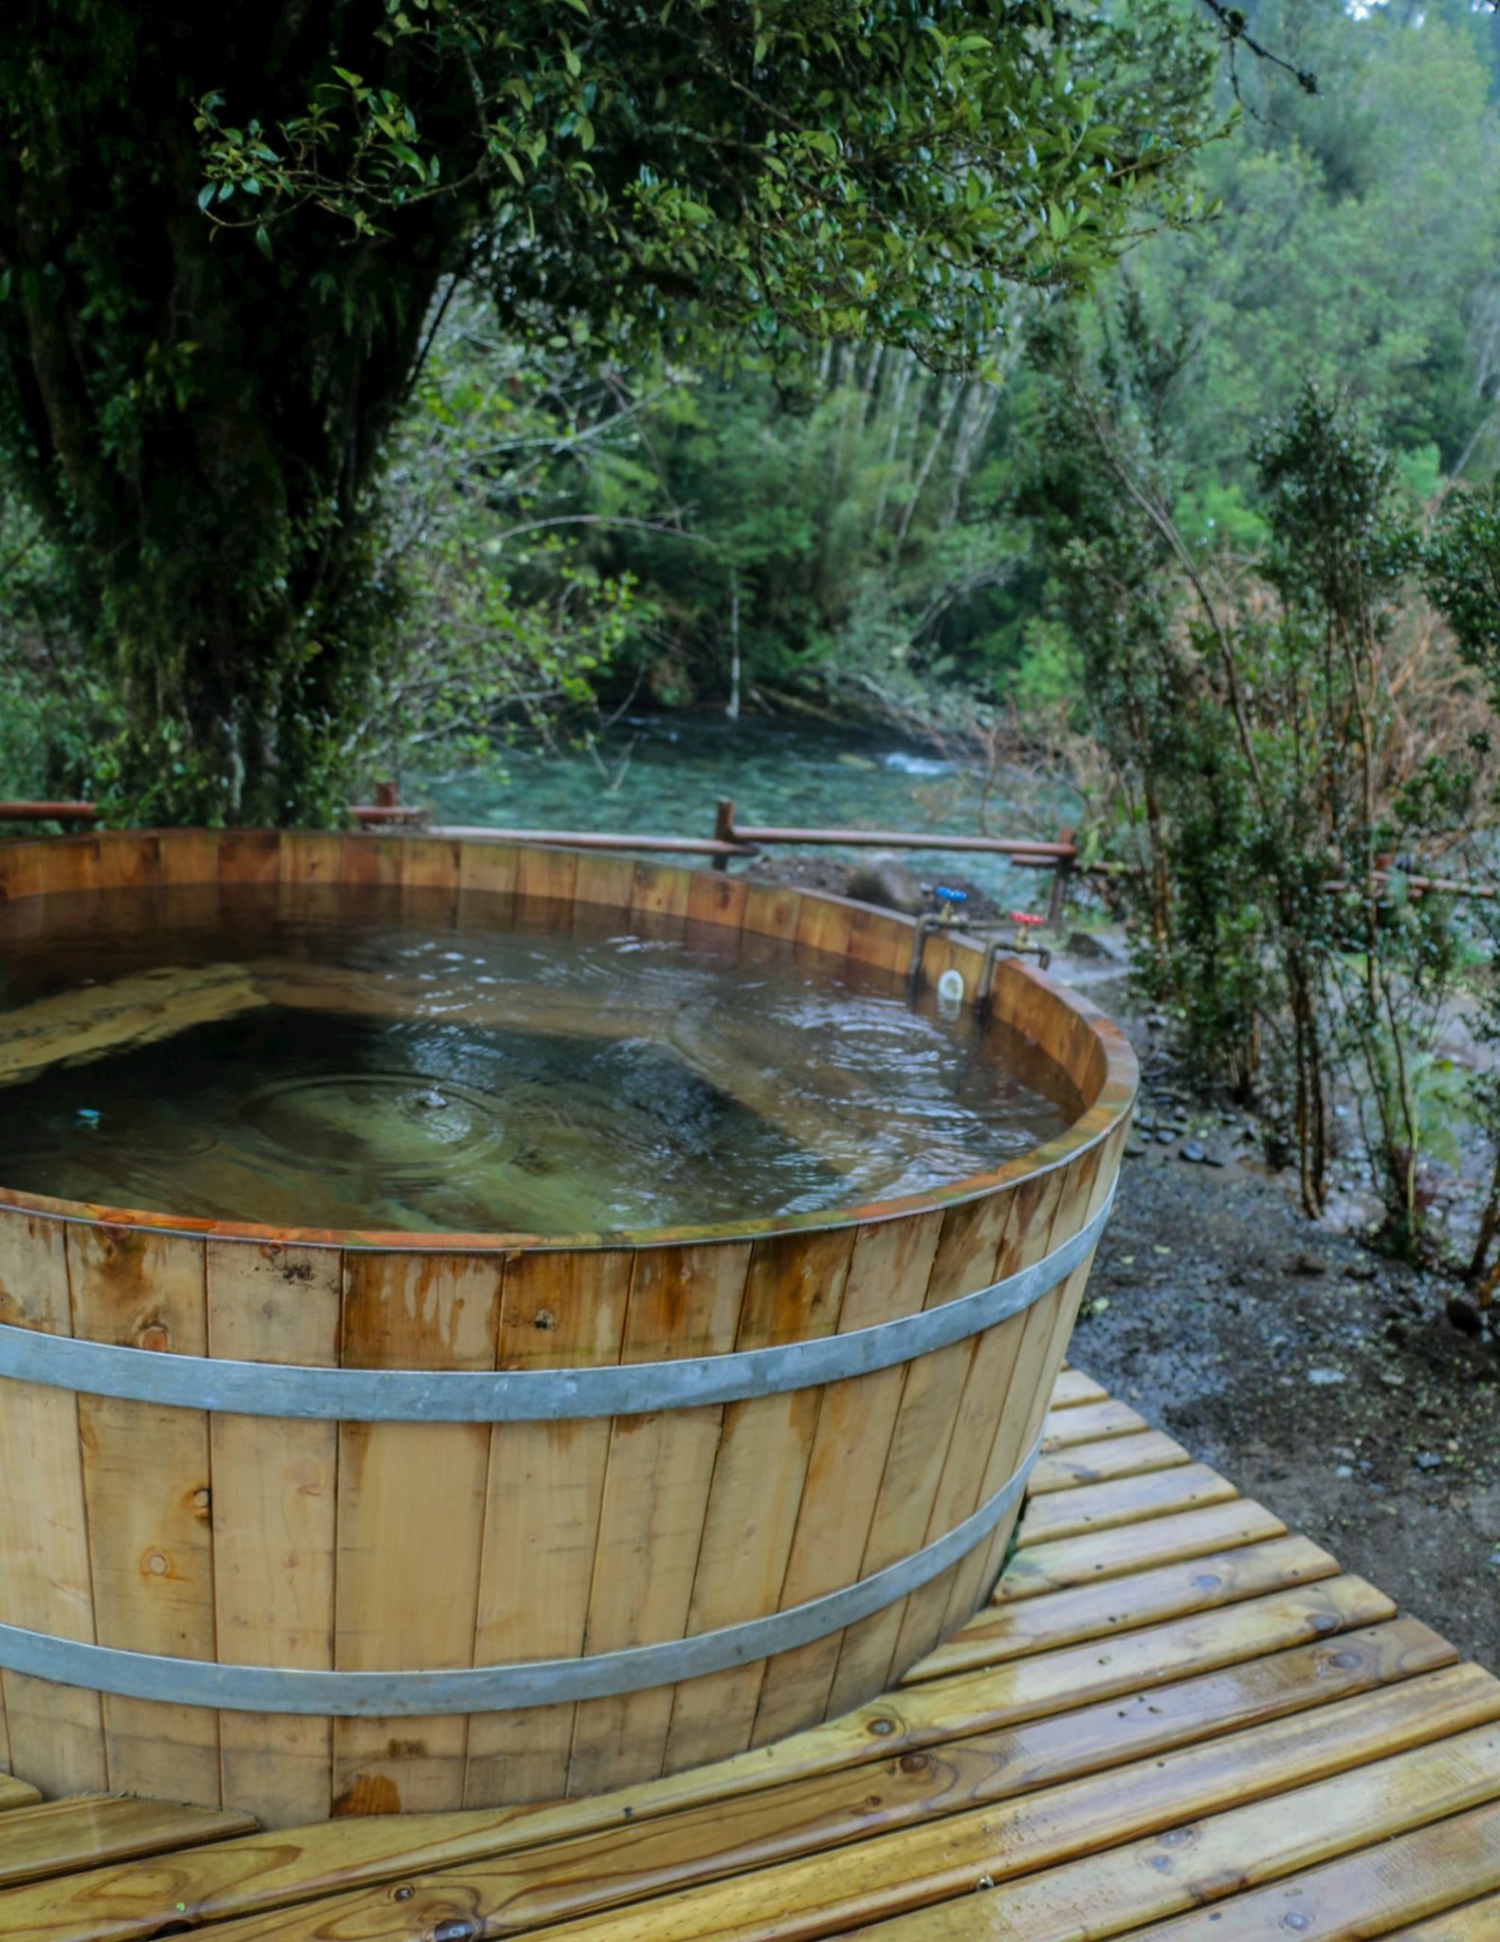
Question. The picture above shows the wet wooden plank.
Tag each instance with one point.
(146, 1480)
(1090, 1559)
(1119, 1605)
(917, 1456)
(1094, 1172)
(1125, 1501)
(61, 1837)
(1123, 1456)
(1379, 1763)
(1204, 1861)
(274, 1503)
(545, 1489)
(56, 1733)
(656, 1484)
(1040, 1719)
(620, 1866)
(888, 1275)
(1420, 1874)
(1090, 1423)
(1074, 1387)
(16, 1793)
(1477, 1921)
(794, 1292)
(1007, 1385)
(410, 1311)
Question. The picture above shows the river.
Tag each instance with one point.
(663, 774)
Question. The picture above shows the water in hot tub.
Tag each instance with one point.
(369, 1060)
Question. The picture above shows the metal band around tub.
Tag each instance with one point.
(293, 1390)
(499, 1688)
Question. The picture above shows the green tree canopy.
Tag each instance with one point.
(224, 231)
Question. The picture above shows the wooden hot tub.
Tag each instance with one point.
(311, 1523)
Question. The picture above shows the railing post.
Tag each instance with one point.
(1060, 875)
(723, 829)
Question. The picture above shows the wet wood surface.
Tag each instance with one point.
(1225, 1744)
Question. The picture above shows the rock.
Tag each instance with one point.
(1193, 1151)
(1324, 1378)
(1308, 1264)
(1428, 1460)
(1134, 1150)
(1165, 1136)
(1360, 1271)
(1215, 1156)
(1086, 944)
(1464, 1316)
(885, 881)
(1344, 1470)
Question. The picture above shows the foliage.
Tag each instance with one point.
(223, 233)
(1463, 574)
(1265, 767)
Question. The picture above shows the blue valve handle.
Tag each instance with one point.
(950, 896)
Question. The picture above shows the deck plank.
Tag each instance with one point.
(1088, 1560)
(1208, 1861)
(16, 1793)
(1073, 1387)
(1090, 1423)
(1116, 1456)
(1380, 1763)
(60, 1837)
(1476, 1921)
(1415, 1875)
(1119, 1605)
(613, 1866)
(1126, 1500)
(323, 1860)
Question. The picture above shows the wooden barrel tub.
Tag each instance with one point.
(311, 1523)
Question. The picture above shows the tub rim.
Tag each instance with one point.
(1102, 1114)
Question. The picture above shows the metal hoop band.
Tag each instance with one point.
(500, 1688)
(293, 1390)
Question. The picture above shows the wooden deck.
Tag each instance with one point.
(1175, 1720)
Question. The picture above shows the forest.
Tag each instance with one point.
(1184, 506)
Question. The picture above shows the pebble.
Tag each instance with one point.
(1360, 1271)
(1215, 1157)
(1165, 1136)
(1309, 1264)
(1134, 1150)
(1321, 1378)
(1344, 1470)
(1428, 1460)
(1192, 1151)
(1464, 1315)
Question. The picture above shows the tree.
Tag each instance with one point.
(224, 232)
